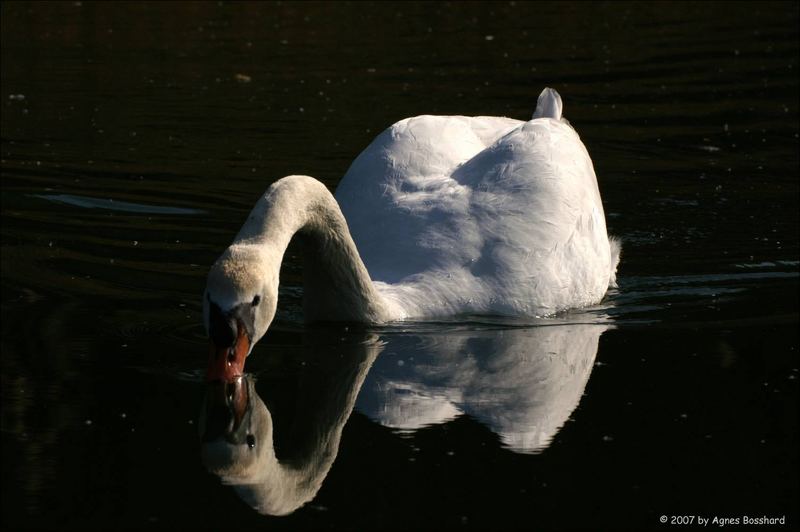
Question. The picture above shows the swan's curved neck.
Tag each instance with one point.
(337, 284)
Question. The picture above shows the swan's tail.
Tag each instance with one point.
(548, 105)
(616, 249)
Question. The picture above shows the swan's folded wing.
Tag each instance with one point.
(536, 201)
(405, 211)
(536, 183)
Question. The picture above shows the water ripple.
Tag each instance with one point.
(110, 204)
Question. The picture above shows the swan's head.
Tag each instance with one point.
(238, 306)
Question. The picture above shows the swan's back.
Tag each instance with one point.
(483, 215)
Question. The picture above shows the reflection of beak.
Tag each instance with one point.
(227, 363)
(226, 408)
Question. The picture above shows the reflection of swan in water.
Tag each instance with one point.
(522, 383)
(237, 432)
(438, 216)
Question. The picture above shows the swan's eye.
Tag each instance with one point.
(256, 300)
(251, 441)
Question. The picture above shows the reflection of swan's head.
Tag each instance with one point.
(239, 304)
(237, 446)
(236, 431)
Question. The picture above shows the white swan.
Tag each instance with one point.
(439, 216)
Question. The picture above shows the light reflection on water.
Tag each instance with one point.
(120, 206)
(521, 383)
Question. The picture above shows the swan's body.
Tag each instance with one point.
(446, 216)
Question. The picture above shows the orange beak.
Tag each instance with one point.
(226, 364)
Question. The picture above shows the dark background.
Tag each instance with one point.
(689, 111)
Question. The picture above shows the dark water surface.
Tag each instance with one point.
(137, 136)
